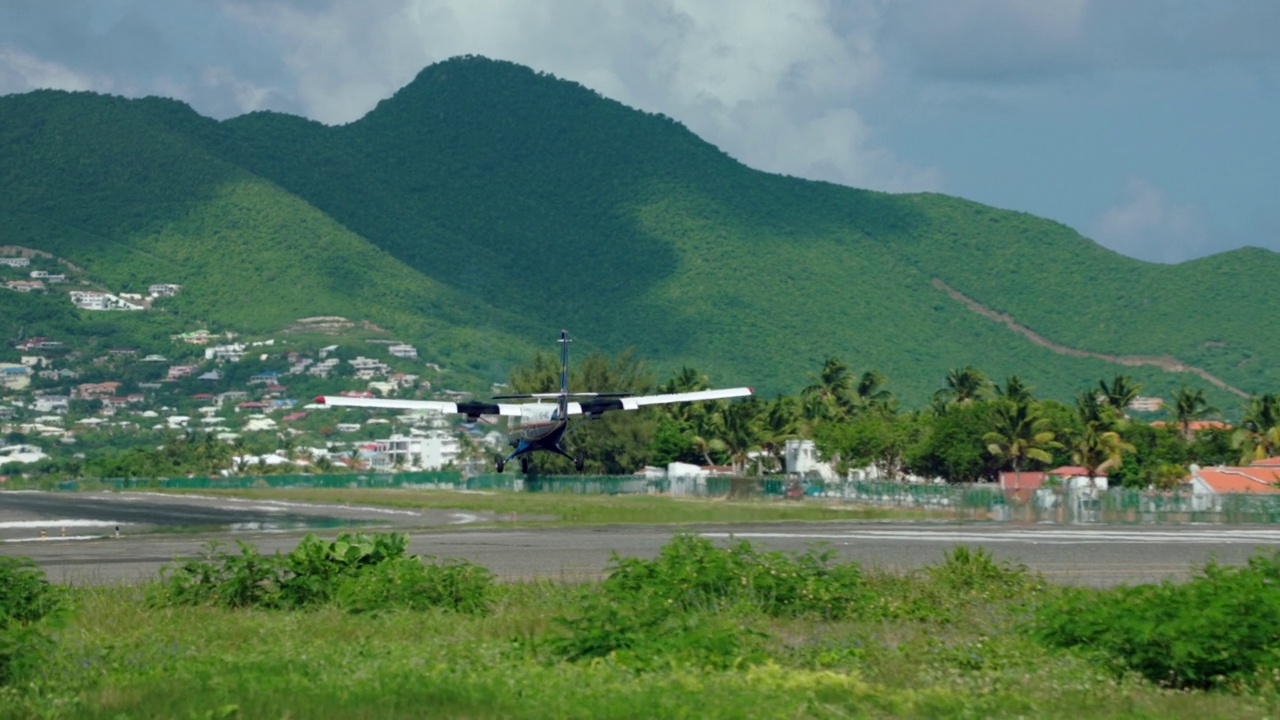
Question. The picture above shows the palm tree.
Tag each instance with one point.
(964, 385)
(1188, 406)
(1015, 390)
(1091, 408)
(778, 424)
(1259, 433)
(1120, 392)
(832, 388)
(739, 430)
(1020, 433)
(870, 391)
(1097, 448)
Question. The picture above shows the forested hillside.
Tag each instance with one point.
(486, 205)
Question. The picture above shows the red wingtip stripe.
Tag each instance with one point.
(319, 400)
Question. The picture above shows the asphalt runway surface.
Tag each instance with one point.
(80, 545)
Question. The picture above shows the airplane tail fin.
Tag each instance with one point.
(564, 374)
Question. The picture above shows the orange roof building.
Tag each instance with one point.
(1225, 480)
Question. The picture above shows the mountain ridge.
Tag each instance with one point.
(491, 202)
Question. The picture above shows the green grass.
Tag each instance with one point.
(116, 658)
(564, 509)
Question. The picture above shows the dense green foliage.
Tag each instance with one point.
(356, 572)
(486, 204)
(948, 640)
(1221, 627)
(27, 605)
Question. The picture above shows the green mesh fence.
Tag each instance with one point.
(981, 502)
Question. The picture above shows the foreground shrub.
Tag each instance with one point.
(691, 573)
(27, 604)
(356, 571)
(949, 591)
(692, 604)
(1220, 627)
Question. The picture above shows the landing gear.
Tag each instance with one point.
(579, 460)
(524, 464)
(501, 464)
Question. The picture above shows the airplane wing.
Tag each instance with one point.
(469, 408)
(597, 406)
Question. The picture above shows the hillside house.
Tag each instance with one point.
(25, 285)
(404, 351)
(233, 352)
(92, 300)
(21, 454)
(180, 371)
(51, 404)
(38, 343)
(14, 376)
(95, 391)
(163, 290)
(15, 262)
(425, 452)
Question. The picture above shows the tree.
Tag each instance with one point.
(877, 439)
(738, 427)
(964, 386)
(1019, 433)
(1015, 390)
(871, 393)
(619, 441)
(1097, 447)
(951, 445)
(831, 391)
(1120, 392)
(1188, 406)
(1259, 434)
(779, 423)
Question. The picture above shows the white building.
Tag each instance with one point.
(431, 451)
(801, 457)
(21, 454)
(163, 290)
(16, 262)
(404, 351)
(91, 300)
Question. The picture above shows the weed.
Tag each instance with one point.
(356, 571)
(682, 605)
(28, 605)
(1220, 627)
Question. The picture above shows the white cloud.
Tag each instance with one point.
(20, 72)
(1147, 225)
(776, 85)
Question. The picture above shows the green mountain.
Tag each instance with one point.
(486, 205)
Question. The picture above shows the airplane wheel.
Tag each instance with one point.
(501, 464)
(524, 465)
(579, 460)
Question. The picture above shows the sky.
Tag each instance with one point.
(1150, 126)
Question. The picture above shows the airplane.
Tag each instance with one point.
(542, 425)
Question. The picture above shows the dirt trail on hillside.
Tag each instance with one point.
(1164, 362)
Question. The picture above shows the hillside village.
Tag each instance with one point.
(57, 400)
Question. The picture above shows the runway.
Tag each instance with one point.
(1097, 555)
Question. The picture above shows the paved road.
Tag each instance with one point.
(1093, 555)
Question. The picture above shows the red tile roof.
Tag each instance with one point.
(1269, 462)
(1027, 481)
(1075, 471)
(1240, 480)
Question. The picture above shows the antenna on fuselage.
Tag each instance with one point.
(564, 375)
